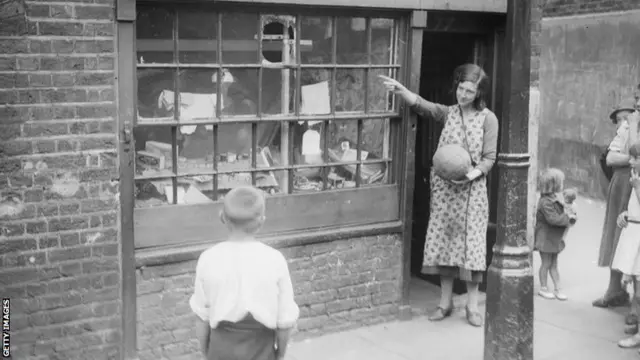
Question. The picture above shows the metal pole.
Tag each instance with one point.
(509, 317)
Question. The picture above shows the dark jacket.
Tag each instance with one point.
(551, 224)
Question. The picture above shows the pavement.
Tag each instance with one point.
(562, 330)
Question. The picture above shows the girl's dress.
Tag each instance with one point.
(627, 256)
(552, 222)
(456, 241)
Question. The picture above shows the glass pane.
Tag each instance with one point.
(382, 42)
(308, 142)
(315, 94)
(374, 145)
(316, 40)
(380, 100)
(154, 32)
(273, 141)
(155, 87)
(266, 180)
(197, 95)
(197, 33)
(150, 193)
(278, 89)
(154, 155)
(190, 190)
(352, 41)
(278, 39)
(240, 93)
(196, 149)
(308, 180)
(269, 140)
(350, 90)
(373, 174)
(239, 38)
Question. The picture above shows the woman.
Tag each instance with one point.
(457, 234)
(626, 119)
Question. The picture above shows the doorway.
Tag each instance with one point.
(442, 52)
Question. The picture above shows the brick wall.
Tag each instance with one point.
(575, 7)
(338, 285)
(59, 260)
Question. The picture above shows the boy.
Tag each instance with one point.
(243, 296)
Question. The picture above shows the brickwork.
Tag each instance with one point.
(59, 260)
(554, 8)
(338, 285)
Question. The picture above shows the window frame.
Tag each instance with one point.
(333, 210)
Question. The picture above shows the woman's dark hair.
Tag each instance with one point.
(475, 74)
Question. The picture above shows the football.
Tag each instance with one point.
(451, 162)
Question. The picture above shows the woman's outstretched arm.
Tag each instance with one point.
(421, 106)
(428, 109)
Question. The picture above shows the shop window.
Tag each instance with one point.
(291, 104)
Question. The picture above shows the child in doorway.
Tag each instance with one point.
(243, 296)
(627, 255)
(552, 221)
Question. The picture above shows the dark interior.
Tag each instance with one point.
(442, 52)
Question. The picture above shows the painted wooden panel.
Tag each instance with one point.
(188, 224)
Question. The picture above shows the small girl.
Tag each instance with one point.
(627, 255)
(552, 221)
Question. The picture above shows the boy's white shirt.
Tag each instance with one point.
(234, 278)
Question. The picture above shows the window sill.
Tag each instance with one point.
(175, 254)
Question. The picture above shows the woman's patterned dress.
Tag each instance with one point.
(457, 232)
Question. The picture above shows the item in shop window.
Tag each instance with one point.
(336, 180)
(222, 158)
(315, 99)
(194, 196)
(231, 157)
(311, 147)
(451, 162)
(148, 160)
(160, 148)
(168, 192)
(192, 106)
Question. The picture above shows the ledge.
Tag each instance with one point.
(176, 254)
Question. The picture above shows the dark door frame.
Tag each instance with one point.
(488, 24)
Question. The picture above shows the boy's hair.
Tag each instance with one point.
(634, 150)
(551, 181)
(570, 195)
(244, 209)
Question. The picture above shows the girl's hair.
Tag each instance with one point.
(474, 74)
(551, 181)
(634, 150)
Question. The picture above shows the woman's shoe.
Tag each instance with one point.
(631, 342)
(441, 313)
(620, 299)
(474, 318)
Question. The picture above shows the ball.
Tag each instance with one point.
(451, 162)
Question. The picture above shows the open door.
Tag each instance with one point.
(442, 52)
